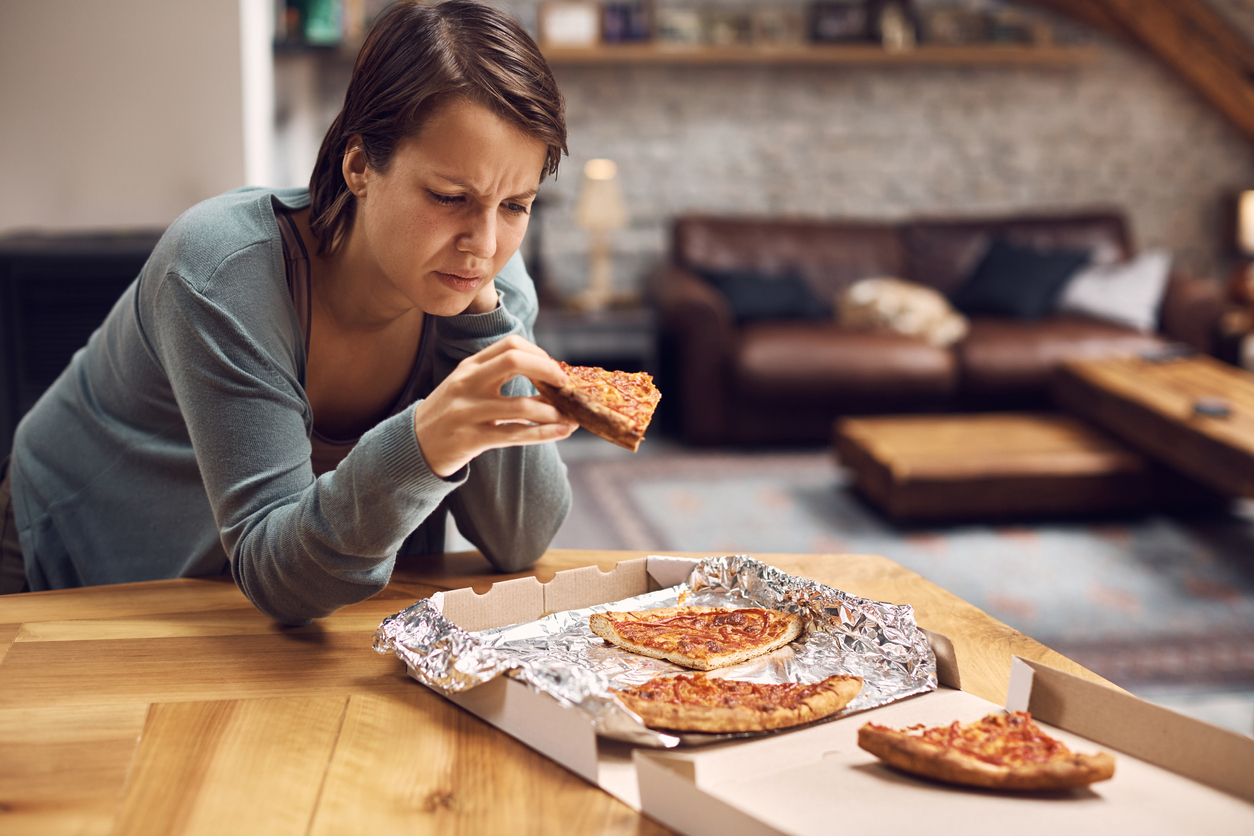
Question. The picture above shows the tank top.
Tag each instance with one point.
(329, 452)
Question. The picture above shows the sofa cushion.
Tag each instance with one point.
(815, 361)
(1016, 357)
(1126, 292)
(1016, 281)
(755, 296)
(941, 253)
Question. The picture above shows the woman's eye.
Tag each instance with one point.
(517, 209)
(445, 199)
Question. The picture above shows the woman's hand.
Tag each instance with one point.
(467, 414)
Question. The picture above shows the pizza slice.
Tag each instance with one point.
(700, 703)
(617, 406)
(1006, 752)
(703, 638)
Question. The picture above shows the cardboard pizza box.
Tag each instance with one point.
(564, 734)
(802, 781)
(1173, 775)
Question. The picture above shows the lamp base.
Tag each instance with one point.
(600, 290)
(589, 302)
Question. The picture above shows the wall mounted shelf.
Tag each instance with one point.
(808, 54)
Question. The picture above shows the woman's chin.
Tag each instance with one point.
(451, 306)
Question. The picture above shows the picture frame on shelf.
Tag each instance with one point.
(676, 27)
(569, 23)
(727, 28)
(842, 21)
(625, 21)
(952, 25)
(774, 26)
(1017, 26)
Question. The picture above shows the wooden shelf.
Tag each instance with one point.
(809, 54)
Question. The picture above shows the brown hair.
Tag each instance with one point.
(414, 53)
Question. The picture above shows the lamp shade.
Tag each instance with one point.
(1245, 223)
(601, 205)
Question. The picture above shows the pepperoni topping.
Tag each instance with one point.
(999, 739)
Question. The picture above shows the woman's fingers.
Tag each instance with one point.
(467, 414)
(511, 357)
(528, 410)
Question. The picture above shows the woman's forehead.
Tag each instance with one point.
(471, 146)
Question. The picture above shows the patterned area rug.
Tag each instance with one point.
(1148, 601)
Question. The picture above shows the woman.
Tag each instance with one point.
(300, 382)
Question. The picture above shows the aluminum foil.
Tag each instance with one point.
(560, 655)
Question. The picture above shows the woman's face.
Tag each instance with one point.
(440, 223)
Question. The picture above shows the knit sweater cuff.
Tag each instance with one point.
(405, 463)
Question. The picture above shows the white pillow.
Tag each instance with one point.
(1127, 292)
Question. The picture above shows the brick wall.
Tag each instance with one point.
(866, 142)
(892, 142)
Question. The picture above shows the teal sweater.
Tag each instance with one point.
(176, 443)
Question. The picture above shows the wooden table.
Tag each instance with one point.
(1156, 406)
(175, 707)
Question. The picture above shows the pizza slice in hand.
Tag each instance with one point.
(1005, 752)
(617, 406)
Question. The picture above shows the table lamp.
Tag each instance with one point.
(1245, 223)
(1238, 322)
(600, 210)
(1244, 278)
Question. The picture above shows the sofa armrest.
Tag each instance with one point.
(699, 331)
(1191, 310)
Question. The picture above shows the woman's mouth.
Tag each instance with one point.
(459, 281)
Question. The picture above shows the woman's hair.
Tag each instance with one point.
(415, 56)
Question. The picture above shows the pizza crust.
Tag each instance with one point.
(830, 696)
(604, 625)
(921, 757)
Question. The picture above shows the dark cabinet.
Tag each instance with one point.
(55, 290)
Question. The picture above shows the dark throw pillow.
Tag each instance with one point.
(755, 297)
(1016, 281)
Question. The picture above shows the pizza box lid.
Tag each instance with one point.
(1173, 774)
(564, 734)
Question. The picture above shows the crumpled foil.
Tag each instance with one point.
(559, 655)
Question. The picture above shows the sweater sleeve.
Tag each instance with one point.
(299, 547)
(516, 498)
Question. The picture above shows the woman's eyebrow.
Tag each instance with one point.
(453, 181)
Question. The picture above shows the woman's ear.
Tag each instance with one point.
(355, 168)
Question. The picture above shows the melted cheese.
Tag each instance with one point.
(701, 634)
(1002, 740)
(699, 690)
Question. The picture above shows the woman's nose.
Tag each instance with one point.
(479, 236)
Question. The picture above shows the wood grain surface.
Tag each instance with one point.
(175, 707)
(960, 447)
(1153, 406)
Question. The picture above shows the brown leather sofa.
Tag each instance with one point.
(773, 382)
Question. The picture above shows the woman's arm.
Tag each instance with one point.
(515, 498)
(299, 547)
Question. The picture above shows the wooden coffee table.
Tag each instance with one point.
(1159, 406)
(1006, 464)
